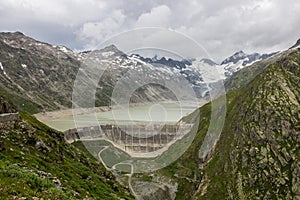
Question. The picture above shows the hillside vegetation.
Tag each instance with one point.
(35, 161)
(257, 156)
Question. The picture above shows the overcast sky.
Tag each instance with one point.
(221, 27)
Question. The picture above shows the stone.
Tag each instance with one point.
(2, 147)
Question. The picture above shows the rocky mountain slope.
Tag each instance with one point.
(296, 45)
(36, 163)
(41, 76)
(36, 72)
(201, 73)
(6, 106)
(240, 60)
(226, 68)
(257, 156)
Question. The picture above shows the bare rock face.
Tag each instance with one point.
(42, 147)
(297, 45)
(2, 147)
(36, 71)
(5, 106)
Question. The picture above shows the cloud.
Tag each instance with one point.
(252, 26)
(157, 17)
(52, 21)
(222, 27)
(96, 32)
(64, 12)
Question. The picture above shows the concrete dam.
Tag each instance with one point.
(133, 139)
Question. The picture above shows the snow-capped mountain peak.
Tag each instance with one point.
(235, 57)
(111, 47)
(155, 58)
(240, 60)
(168, 62)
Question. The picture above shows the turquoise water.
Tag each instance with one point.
(156, 113)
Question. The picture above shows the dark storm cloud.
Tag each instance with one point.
(222, 27)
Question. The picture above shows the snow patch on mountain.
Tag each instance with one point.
(199, 72)
(4, 72)
(240, 60)
(24, 66)
(108, 54)
(63, 49)
(137, 59)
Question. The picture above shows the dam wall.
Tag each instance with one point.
(131, 138)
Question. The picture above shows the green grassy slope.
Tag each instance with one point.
(257, 156)
(35, 161)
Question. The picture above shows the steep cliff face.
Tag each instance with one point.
(258, 153)
(257, 156)
(37, 72)
(6, 106)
